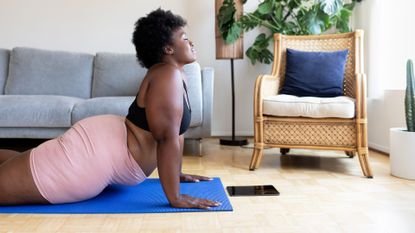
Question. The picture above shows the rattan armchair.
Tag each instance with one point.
(349, 135)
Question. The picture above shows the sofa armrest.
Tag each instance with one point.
(207, 90)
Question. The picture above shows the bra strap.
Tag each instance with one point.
(187, 95)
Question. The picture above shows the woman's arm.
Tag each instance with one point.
(164, 109)
(187, 177)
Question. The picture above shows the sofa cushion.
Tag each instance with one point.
(315, 107)
(116, 74)
(31, 132)
(36, 110)
(101, 105)
(194, 80)
(4, 68)
(110, 105)
(43, 72)
(317, 74)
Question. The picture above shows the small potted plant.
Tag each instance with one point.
(402, 141)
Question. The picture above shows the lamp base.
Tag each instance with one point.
(235, 141)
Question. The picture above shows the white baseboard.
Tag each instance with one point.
(378, 147)
(219, 133)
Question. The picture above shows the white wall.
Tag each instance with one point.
(389, 43)
(74, 25)
(106, 25)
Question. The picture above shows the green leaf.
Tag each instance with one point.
(343, 26)
(265, 7)
(226, 15)
(261, 41)
(290, 28)
(259, 50)
(292, 4)
(263, 55)
(248, 22)
(342, 20)
(252, 54)
(266, 56)
(228, 27)
(233, 33)
(278, 13)
(260, 38)
(315, 20)
(345, 14)
(349, 6)
(330, 7)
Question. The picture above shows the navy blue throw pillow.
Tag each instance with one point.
(317, 74)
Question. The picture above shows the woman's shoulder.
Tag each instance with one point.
(164, 73)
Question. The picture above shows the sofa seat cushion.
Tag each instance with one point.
(101, 106)
(36, 110)
(314, 107)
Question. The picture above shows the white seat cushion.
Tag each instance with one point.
(314, 107)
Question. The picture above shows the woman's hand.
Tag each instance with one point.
(186, 201)
(193, 178)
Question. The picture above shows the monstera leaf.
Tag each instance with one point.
(342, 20)
(316, 21)
(228, 27)
(259, 50)
(330, 7)
(266, 7)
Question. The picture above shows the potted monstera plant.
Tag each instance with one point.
(402, 141)
(291, 17)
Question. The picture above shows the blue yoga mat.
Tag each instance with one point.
(147, 197)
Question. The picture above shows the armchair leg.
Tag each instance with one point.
(363, 155)
(350, 154)
(284, 151)
(256, 158)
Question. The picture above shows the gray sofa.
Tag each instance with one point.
(43, 93)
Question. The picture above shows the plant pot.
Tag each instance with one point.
(402, 153)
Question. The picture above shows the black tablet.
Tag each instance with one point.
(255, 190)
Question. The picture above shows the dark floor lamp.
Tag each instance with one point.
(230, 51)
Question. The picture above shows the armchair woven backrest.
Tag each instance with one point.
(334, 42)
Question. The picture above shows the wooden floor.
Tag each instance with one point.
(321, 191)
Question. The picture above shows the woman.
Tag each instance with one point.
(106, 149)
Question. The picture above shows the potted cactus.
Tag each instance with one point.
(402, 141)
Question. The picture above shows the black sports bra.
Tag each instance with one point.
(137, 115)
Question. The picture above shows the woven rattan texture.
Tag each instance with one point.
(310, 134)
(334, 44)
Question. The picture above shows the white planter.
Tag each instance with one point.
(402, 153)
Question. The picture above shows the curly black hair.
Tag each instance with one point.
(152, 33)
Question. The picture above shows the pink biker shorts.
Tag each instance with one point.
(79, 164)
